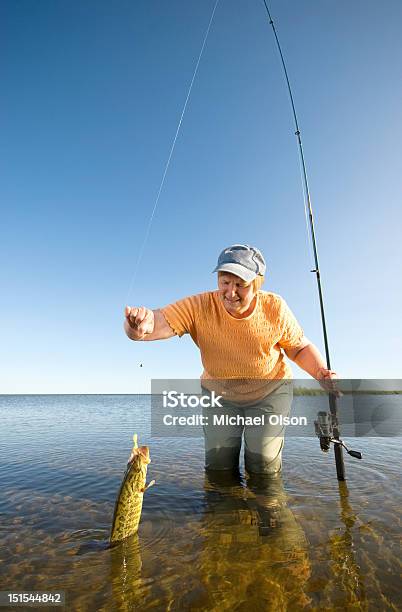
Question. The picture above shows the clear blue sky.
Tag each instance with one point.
(92, 92)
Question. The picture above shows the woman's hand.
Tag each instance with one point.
(141, 321)
(328, 380)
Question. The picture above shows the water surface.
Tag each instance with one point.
(228, 543)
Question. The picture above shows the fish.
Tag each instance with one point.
(128, 506)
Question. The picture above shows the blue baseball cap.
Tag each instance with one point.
(243, 260)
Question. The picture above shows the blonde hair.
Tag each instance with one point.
(258, 282)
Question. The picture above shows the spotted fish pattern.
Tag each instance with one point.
(127, 510)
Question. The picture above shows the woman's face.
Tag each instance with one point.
(237, 295)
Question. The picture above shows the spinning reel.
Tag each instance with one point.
(324, 429)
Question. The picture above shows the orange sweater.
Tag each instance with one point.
(244, 350)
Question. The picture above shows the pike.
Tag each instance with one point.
(128, 506)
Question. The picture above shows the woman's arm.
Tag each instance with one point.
(146, 324)
(308, 358)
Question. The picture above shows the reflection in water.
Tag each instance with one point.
(253, 543)
(345, 568)
(125, 572)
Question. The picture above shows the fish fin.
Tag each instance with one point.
(150, 484)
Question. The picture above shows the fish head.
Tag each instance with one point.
(140, 456)
(144, 454)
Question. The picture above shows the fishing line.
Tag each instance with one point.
(146, 236)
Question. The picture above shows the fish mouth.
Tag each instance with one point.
(142, 452)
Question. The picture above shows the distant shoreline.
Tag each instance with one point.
(306, 391)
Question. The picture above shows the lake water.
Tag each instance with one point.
(302, 541)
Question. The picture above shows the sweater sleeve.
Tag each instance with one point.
(292, 333)
(182, 315)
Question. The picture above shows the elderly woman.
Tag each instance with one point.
(243, 334)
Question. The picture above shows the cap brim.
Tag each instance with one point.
(238, 270)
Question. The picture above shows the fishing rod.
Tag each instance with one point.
(326, 426)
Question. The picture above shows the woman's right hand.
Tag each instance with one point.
(141, 321)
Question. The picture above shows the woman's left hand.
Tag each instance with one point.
(328, 380)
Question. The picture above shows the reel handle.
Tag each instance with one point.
(355, 454)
